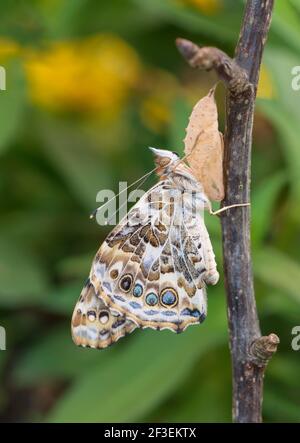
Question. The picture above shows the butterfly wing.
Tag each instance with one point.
(94, 324)
(152, 267)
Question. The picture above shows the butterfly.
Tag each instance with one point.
(153, 268)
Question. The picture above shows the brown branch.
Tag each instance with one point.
(249, 351)
(207, 58)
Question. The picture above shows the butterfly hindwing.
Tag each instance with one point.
(94, 324)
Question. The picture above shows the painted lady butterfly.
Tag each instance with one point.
(152, 269)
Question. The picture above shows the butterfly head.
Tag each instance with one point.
(164, 160)
(168, 164)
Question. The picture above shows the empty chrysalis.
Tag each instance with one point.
(206, 156)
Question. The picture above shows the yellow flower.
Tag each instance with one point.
(266, 87)
(91, 75)
(8, 48)
(208, 7)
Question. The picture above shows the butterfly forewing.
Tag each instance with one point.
(154, 271)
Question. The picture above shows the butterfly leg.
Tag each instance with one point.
(219, 211)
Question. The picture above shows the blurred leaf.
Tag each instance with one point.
(216, 26)
(40, 361)
(27, 227)
(136, 381)
(283, 110)
(22, 279)
(296, 5)
(21, 325)
(12, 102)
(279, 63)
(75, 266)
(63, 299)
(119, 16)
(179, 118)
(20, 20)
(285, 370)
(280, 408)
(262, 207)
(278, 270)
(285, 22)
(60, 18)
(277, 303)
(75, 158)
(208, 399)
(288, 128)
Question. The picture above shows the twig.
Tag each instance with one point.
(263, 348)
(207, 58)
(249, 351)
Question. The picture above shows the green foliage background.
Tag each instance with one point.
(54, 161)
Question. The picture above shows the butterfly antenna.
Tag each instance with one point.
(123, 204)
(144, 178)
